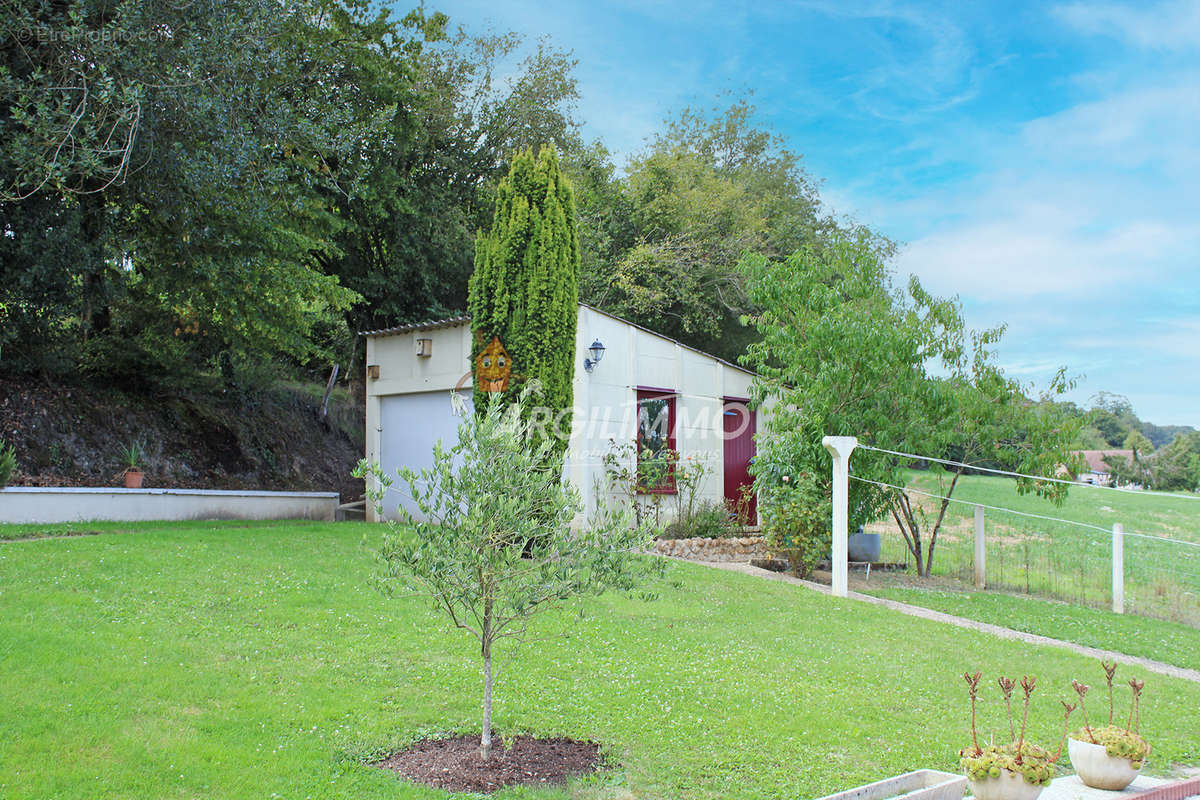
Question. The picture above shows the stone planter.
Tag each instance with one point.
(1097, 768)
(1009, 786)
(924, 784)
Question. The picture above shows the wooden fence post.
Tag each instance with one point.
(1118, 569)
(980, 551)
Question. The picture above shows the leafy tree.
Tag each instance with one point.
(844, 353)
(483, 498)
(1160, 435)
(406, 244)
(1090, 438)
(710, 187)
(841, 353)
(1112, 415)
(1139, 444)
(524, 288)
(196, 172)
(978, 416)
(1176, 467)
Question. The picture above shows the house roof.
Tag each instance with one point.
(452, 322)
(1095, 458)
(415, 327)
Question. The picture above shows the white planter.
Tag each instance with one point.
(1009, 786)
(1097, 768)
(923, 784)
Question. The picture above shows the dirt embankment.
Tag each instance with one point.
(270, 439)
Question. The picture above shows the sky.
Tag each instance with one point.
(1040, 161)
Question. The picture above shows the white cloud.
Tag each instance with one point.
(1035, 254)
(1142, 126)
(1169, 25)
(1099, 195)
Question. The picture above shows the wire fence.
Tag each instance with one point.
(1063, 553)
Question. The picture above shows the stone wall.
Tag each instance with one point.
(742, 548)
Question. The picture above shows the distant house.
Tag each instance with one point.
(631, 385)
(1098, 472)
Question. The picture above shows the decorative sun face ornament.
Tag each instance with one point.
(493, 368)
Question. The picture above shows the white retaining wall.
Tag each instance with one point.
(36, 505)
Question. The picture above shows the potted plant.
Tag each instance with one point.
(1109, 757)
(1018, 770)
(132, 456)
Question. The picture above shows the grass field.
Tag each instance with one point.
(1160, 640)
(1068, 562)
(254, 661)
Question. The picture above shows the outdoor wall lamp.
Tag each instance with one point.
(595, 353)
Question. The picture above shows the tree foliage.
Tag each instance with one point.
(427, 185)
(711, 186)
(845, 353)
(1176, 467)
(841, 353)
(979, 417)
(199, 205)
(480, 502)
(524, 288)
(193, 186)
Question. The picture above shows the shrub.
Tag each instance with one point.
(8, 463)
(796, 518)
(708, 521)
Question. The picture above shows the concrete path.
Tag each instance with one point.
(1006, 633)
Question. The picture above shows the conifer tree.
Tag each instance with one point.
(524, 290)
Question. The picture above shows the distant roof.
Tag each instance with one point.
(453, 322)
(1095, 458)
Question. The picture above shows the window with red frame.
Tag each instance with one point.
(656, 440)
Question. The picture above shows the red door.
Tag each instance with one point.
(739, 449)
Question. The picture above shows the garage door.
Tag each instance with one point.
(411, 424)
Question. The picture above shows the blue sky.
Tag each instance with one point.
(1041, 161)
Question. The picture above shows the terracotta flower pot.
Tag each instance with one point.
(1009, 786)
(134, 478)
(1098, 769)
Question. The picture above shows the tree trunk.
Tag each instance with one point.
(937, 526)
(96, 313)
(485, 639)
(910, 529)
(333, 376)
(485, 739)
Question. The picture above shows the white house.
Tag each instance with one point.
(642, 387)
(1098, 472)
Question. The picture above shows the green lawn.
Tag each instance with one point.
(1067, 562)
(1136, 636)
(238, 661)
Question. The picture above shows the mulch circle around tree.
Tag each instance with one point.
(454, 764)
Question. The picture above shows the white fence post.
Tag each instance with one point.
(980, 551)
(840, 447)
(1118, 566)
